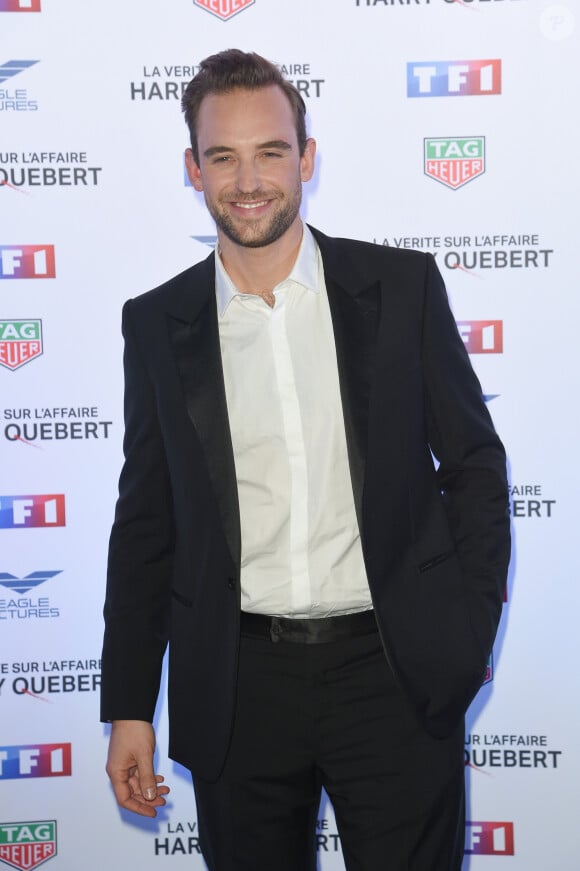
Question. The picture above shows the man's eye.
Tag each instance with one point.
(272, 154)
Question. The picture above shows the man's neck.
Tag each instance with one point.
(259, 270)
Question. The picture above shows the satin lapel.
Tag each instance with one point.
(197, 352)
(355, 320)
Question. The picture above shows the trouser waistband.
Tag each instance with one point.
(319, 630)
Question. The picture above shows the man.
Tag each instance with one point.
(329, 598)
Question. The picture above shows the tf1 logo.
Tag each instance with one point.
(19, 5)
(489, 839)
(23, 512)
(35, 760)
(453, 78)
(27, 261)
(482, 337)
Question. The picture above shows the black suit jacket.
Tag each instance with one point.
(435, 539)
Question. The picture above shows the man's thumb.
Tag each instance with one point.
(147, 780)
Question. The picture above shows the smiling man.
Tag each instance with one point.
(252, 187)
(268, 170)
(329, 596)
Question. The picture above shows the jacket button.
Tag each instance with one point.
(232, 583)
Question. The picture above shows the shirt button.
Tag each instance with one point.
(232, 583)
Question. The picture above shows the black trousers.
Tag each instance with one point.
(313, 715)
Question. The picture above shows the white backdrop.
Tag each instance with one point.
(441, 124)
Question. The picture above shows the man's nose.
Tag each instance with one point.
(248, 176)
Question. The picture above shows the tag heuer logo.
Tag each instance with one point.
(224, 9)
(20, 342)
(27, 845)
(454, 162)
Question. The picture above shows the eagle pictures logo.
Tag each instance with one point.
(454, 161)
(224, 9)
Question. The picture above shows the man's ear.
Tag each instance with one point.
(307, 160)
(193, 170)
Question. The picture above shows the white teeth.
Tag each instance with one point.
(250, 205)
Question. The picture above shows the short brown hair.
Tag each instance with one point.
(231, 69)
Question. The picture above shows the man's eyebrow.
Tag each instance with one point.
(277, 143)
(217, 149)
(225, 149)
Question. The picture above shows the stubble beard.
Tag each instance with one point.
(263, 232)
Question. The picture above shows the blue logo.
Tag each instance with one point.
(210, 241)
(13, 67)
(29, 582)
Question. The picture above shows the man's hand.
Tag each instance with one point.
(130, 767)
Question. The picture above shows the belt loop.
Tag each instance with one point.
(275, 629)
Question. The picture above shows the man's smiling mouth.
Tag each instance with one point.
(251, 205)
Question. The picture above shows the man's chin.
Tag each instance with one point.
(254, 243)
(253, 238)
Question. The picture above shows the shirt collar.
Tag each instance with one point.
(304, 272)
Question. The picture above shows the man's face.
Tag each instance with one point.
(250, 169)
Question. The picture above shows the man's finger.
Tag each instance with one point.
(145, 778)
(129, 795)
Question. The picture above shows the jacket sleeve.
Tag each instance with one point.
(472, 463)
(140, 553)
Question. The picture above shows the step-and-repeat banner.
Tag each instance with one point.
(445, 125)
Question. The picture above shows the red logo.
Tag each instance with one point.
(27, 845)
(489, 839)
(482, 337)
(27, 261)
(224, 9)
(20, 342)
(454, 161)
(488, 677)
(19, 5)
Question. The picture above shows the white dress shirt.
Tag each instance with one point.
(301, 550)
